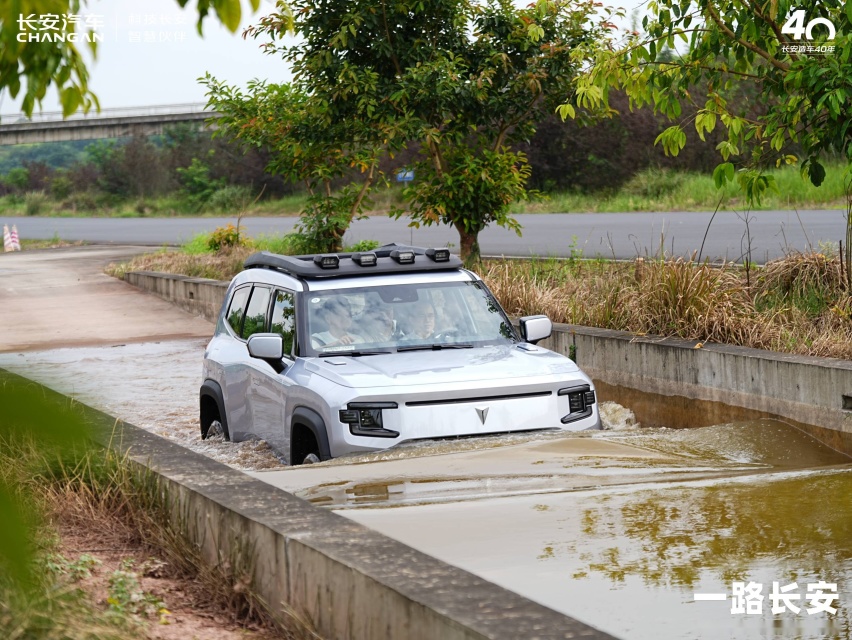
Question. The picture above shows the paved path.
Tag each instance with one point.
(619, 235)
(62, 298)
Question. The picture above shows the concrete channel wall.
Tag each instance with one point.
(313, 568)
(666, 382)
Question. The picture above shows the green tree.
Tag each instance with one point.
(35, 66)
(805, 93)
(306, 145)
(462, 78)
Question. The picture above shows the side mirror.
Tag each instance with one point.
(266, 346)
(535, 328)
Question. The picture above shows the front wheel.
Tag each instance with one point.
(212, 424)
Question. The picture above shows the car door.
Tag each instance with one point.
(231, 354)
(255, 321)
(270, 386)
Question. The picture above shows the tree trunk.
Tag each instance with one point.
(849, 247)
(469, 247)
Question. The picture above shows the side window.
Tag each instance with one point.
(284, 319)
(255, 321)
(238, 306)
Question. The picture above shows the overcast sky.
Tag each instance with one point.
(151, 54)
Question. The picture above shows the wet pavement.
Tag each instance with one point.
(153, 385)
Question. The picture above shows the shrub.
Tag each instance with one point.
(81, 201)
(196, 182)
(230, 199)
(60, 187)
(34, 202)
(654, 182)
(18, 178)
(222, 237)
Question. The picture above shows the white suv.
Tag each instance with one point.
(327, 355)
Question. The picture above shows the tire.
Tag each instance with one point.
(212, 424)
(215, 429)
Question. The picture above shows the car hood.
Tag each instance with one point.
(494, 363)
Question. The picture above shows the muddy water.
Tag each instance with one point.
(619, 528)
(629, 557)
(153, 385)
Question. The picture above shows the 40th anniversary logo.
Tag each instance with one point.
(800, 25)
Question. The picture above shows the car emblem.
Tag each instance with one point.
(483, 414)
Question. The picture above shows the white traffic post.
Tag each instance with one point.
(16, 244)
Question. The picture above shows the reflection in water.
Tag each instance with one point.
(678, 533)
(700, 539)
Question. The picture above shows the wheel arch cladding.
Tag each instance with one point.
(315, 424)
(210, 390)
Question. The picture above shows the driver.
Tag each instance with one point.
(421, 322)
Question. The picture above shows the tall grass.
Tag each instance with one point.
(103, 489)
(688, 300)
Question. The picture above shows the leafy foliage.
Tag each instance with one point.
(35, 66)
(464, 79)
(222, 237)
(307, 146)
(731, 42)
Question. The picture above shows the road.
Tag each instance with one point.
(619, 235)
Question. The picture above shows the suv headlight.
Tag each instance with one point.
(365, 419)
(581, 399)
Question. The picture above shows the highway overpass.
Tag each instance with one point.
(108, 123)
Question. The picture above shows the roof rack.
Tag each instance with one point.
(390, 258)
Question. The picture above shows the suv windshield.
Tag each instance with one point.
(404, 317)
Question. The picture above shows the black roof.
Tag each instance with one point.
(307, 267)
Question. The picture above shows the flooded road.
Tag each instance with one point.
(620, 529)
(153, 385)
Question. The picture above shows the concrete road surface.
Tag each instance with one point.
(62, 298)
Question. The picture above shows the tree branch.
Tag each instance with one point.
(748, 45)
(367, 183)
(772, 24)
(390, 41)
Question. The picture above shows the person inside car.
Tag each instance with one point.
(337, 316)
(378, 324)
(421, 321)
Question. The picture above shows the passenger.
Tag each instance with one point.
(378, 324)
(337, 315)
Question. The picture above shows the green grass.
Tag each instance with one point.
(662, 190)
(649, 190)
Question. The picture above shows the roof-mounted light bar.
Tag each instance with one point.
(387, 259)
(438, 255)
(327, 261)
(365, 259)
(403, 256)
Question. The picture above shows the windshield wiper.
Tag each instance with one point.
(436, 347)
(329, 354)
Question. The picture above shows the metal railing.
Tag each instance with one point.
(126, 112)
